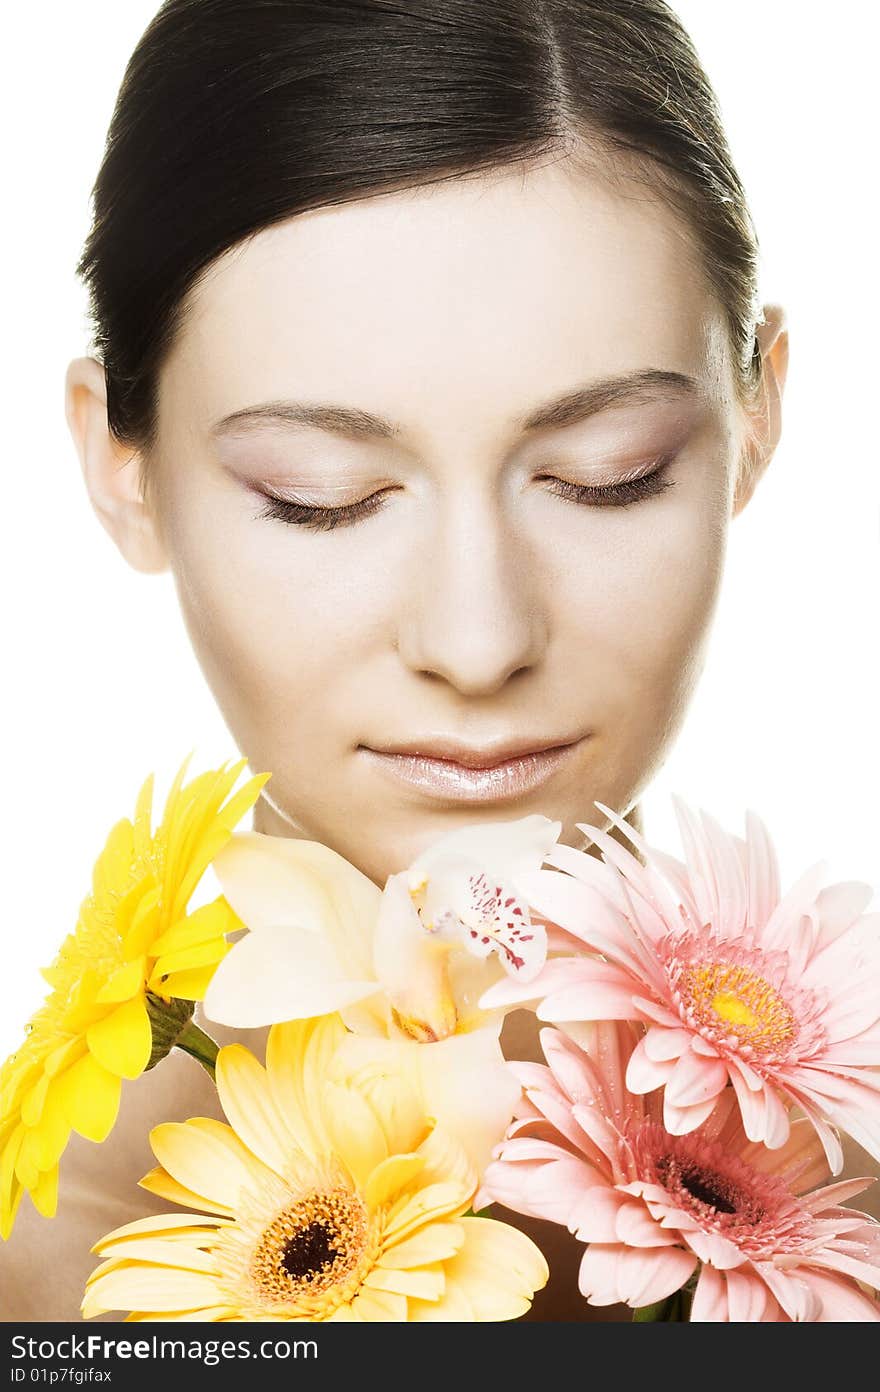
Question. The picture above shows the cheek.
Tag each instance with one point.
(639, 600)
(278, 637)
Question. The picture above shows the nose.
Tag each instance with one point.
(472, 612)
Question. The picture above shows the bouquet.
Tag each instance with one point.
(707, 1041)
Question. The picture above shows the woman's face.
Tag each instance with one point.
(378, 429)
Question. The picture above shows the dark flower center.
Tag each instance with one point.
(315, 1244)
(311, 1250)
(711, 1182)
(702, 1185)
(707, 1189)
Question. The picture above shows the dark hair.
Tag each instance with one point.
(236, 114)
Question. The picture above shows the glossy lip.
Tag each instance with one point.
(454, 772)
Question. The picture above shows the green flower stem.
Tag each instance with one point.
(668, 1311)
(198, 1045)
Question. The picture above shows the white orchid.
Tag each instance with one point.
(405, 966)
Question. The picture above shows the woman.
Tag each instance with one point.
(428, 356)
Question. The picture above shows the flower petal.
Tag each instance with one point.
(158, 1181)
(582, 911)
(709, 1304)
(643, 1074)
(204, 924)
(594, 1214)
(299, 1057)
(357, 1136)
(838, 906)
(800, 1162)
(243, 1088)
(412, 1211)
(664, 1044)
(411, 963)
(498, 1269)
(270, 880)
(463, 1081)
(207, 1158)
(423, 1283)
(680, 1121)
(281, 973)
(202, 954)
(123, 983)
(188, 985)
(645, 1276)
(505, 849)
(154, 1288)
(89, 1095)
(165, 1225)
(841, 1300)
(373, 1306)
(605, 993)
(389, 1177)
(694, 1080)
(123, 1040)
(597, 1274)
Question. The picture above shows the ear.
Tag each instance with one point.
(112, 472)
(765, 417)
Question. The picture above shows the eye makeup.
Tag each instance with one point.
(320, 519)
(638, 484)
(622, 493)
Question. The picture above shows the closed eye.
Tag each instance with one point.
(320, 519)
(298, 513)
(621, 494)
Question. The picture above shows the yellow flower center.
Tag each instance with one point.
(739, 1000)
(728, 1006)
(315, 1244)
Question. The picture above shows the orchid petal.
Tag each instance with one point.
(279, 974)
(411, 963)
(502, 848)
(270, 880)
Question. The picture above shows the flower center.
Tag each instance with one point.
(721, 995)
(720, 1191)
(310, 1251)
(310, 1246)
(709, 1190)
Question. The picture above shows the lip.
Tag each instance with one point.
(454, 772)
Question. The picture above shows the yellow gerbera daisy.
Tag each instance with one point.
(331, 1197)
(134, 949)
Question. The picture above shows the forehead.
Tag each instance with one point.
(486, 292)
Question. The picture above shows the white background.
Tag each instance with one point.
(100, 686)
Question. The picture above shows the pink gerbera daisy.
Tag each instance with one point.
(658, 1210)
(777, 995)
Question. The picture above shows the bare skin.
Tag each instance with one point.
(480, 600)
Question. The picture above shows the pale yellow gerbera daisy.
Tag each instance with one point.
(134, 953)
(331, 1196)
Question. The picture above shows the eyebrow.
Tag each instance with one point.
(636, 388)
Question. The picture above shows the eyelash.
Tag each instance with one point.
(616, 494)
(323, 519)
